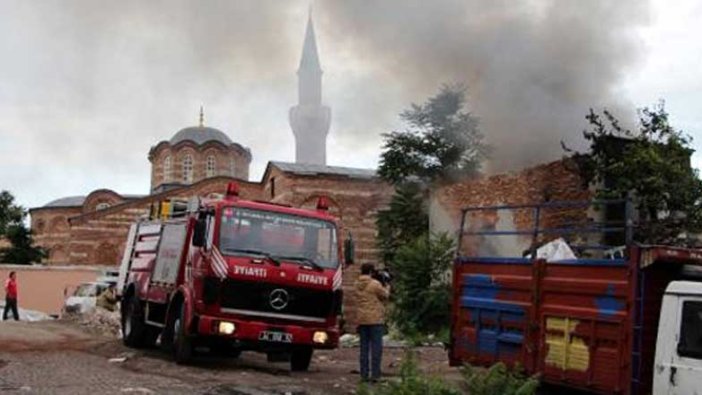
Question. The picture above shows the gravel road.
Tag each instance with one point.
(54, 357)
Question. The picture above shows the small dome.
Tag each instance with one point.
(200, 135)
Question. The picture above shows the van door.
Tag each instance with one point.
(685, 375)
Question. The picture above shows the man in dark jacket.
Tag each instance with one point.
(371, 296)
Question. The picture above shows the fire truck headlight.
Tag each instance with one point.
(320, 337)
(226, 328)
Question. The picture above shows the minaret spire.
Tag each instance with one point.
(310, 119)
(309, 62)
(202, 117)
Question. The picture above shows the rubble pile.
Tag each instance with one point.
(100, 321)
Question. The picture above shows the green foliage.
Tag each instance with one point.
(22, 250)
(654, 164)
(442, 140)
(10, 213)
(411, 382)
(498, 380)
(421, 290)
(404, 220)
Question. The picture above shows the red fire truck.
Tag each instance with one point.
(232, 274)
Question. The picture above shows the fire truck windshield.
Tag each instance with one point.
(282, 236)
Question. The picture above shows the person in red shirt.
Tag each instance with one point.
(11, 297)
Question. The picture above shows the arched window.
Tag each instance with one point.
(232, 168)
(167, 168)
(102, 206)
(210, 166)
(188, 168)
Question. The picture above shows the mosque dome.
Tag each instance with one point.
(200, 135)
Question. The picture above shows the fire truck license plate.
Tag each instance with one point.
(280, 337)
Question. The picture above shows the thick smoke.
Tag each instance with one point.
(532, 68)
(87, 86)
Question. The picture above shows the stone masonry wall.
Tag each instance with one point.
(555, 181)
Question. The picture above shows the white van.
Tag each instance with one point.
(678, 363)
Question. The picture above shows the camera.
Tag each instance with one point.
(383, 276)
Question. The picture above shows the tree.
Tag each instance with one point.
(652, 163)
(10, 213)
(442, 140)
(404, 220)
(21, 250)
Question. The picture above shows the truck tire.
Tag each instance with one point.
(300, 359)
(133, 327)
(182, 344)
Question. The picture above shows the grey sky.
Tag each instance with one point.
(87, 87)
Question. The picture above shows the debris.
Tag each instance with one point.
(349, 340)
(28, 315)
(100, 321)
(117, 360)
(555, 250)
(139, 390)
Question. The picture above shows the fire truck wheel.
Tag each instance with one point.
(300, 359)
(133, 326)
(182, 344)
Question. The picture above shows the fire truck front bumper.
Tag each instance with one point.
(252, 333)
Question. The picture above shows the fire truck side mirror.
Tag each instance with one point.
(199, 232)
(349, 250)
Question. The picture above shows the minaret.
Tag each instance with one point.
(310, 119)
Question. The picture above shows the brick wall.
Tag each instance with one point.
(199, 154)
(555, 181)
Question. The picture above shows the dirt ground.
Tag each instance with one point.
(54, 357)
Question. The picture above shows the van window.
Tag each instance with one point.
(690, 344)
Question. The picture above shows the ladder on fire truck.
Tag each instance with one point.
(145, 235)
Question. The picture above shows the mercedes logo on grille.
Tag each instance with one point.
(279, 299)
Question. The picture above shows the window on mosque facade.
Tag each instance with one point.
(232, 168)
(210, 166)
(167, 169)
(188, 168)
(102, 206)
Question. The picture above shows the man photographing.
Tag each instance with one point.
(371, 296)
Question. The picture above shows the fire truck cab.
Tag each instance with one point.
(232, 274)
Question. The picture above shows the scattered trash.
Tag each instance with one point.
(117, 360)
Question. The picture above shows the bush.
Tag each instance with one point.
(421, 289)
(411, 382)
(498, 380)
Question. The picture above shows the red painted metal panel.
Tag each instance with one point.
(586, 325)
(568, 321)
(492, 309)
